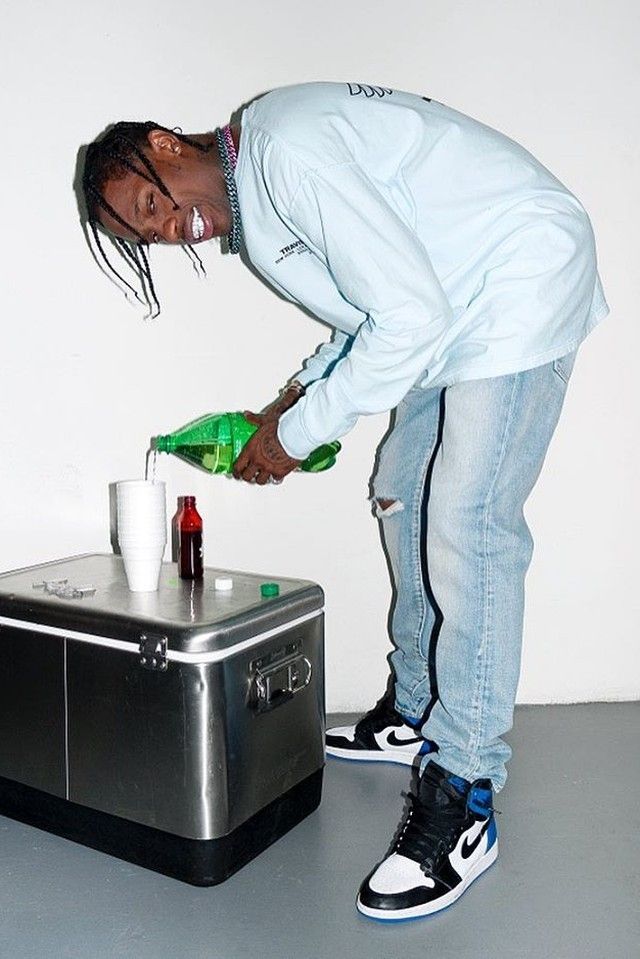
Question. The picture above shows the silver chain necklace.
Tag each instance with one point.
(234, 237)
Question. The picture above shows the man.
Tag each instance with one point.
(460, 278)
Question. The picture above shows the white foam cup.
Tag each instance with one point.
(138, 542)
(137, 494)
(140, 487)
(142, 531)
(141, 508)
(143, 568)
(142, 522)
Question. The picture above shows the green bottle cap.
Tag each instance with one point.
(269, 589)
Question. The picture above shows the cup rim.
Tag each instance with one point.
(143, 542)
(149, 519)
(143, 562)
(135, 532)
(140, 484)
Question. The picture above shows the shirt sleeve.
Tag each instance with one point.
(382, 268)
(326, 355)
(324, 359)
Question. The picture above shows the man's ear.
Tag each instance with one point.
(161, 141)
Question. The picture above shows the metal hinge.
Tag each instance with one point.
(153, 652)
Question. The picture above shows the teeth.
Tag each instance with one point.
(197, 224)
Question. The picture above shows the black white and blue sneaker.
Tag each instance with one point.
(447, 839)
(382, 735)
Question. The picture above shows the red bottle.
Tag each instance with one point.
(189, 540)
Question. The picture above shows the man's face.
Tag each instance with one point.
(195, 183)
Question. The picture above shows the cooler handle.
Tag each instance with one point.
(280, 682)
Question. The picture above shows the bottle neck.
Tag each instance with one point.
(163, 444)
(189, 520)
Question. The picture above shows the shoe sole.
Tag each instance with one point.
(372, 756)
(428, 909)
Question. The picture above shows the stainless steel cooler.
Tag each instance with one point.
(181, 730)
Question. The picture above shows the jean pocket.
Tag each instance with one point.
(563, 366)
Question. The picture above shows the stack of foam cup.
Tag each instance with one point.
(142, 531)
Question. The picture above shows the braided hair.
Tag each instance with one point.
(118, 151)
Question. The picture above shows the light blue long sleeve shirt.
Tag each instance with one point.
(437, 248)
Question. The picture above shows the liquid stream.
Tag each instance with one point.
(151, 451)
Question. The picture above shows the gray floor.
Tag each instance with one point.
(566, 885)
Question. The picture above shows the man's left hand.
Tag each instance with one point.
(263, 459)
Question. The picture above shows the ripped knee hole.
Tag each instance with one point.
(386, 506)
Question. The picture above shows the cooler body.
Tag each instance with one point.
(182, 730)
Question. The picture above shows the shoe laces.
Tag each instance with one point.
(429, 831)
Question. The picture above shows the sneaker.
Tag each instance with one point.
(382, 735)
(447, 839)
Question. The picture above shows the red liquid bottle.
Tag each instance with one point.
(189, 540)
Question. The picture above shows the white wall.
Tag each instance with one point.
(84, 381)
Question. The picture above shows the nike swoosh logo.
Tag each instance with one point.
(469, 847)
(392, 740)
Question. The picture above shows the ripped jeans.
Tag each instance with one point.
(454, 473)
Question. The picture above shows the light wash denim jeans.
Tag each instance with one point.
(459, 464)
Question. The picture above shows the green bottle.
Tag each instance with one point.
(213, 443)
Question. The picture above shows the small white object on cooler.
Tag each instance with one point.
(62, 590)
(223, 583)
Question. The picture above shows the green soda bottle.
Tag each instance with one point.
(213, 443)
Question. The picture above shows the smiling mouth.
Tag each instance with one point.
(197, 224)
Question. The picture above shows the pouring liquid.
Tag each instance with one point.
(153, 468)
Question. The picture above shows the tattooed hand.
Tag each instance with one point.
(263, 457)
(275, 410)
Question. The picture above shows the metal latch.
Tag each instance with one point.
(153, 652)
(278, 677)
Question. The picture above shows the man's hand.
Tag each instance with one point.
(263, 459)
(275, 410)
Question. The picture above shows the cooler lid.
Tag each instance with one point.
(193, 616)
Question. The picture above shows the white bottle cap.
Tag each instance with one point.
(223, 582)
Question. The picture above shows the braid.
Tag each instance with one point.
(196, 262)
(118, 151)
(151, 176)
(148, 279)
(96, 237)
(127, 252)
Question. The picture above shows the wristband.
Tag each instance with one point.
(294, 385)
